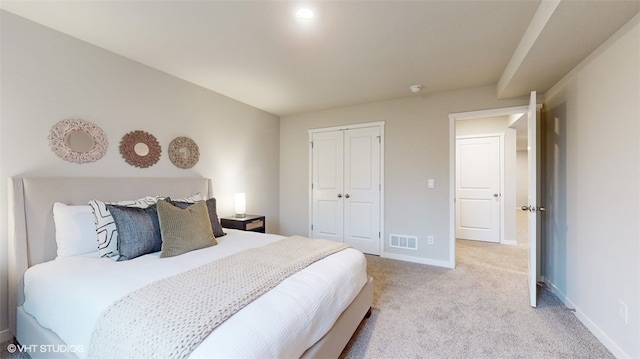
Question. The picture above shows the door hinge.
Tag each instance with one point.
(311, 144)
(312, 227)
(312, 186)
(378, 234)
(379, 139)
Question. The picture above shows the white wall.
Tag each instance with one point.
(416, 149)
(592, 248)
(482, 126)
(48, 76)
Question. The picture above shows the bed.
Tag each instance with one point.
(335, 316)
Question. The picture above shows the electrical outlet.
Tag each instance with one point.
(623, 312)
(430, 240)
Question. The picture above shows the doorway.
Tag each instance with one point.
(491, 177)
(533, 206)
(507, 127)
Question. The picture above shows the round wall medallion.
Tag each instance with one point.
(140, 149)
(183, 152)
(78, 141)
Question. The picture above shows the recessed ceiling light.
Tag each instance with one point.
(304, 14)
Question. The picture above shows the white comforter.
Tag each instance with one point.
(67, 296)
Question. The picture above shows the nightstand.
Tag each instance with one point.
(250, 222)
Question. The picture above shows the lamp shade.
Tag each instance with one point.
(241, 205)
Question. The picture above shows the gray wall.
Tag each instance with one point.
(592, 248)
(416, 149)
(48, 76)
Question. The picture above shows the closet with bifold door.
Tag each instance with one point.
(346, 189)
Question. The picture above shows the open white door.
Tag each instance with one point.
(532, 123)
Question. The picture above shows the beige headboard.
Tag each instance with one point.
(31, 230)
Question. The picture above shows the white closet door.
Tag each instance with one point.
(328, 184)
(346, 193)
(362, 189)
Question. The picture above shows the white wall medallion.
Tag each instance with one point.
(140, 149)
(78, 141)
(183, 152)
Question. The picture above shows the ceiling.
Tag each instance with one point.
(351, 52)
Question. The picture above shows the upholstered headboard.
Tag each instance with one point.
(31, 229)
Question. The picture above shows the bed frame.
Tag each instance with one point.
(32, 241)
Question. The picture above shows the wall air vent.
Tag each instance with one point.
(404, 242)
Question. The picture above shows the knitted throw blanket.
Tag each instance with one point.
(171, 317)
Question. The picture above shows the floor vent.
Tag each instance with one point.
(404, 242)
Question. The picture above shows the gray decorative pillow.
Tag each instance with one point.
(138, 230)
(184, 230)
(216, 227)
(106, 229)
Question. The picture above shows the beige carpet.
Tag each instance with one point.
(478, 310)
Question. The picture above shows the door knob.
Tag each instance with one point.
(533, 209)
(347, 195)
(339, 195)
(495, 195)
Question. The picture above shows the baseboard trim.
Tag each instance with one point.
(5, 335)
(412, 259)
(510, 242)
(591, 326)
(556, 291)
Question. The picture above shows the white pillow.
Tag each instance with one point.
(191, 199)
(75, 229)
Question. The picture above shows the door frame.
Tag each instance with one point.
(453, 117)
(501, 175)
(380, 125)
